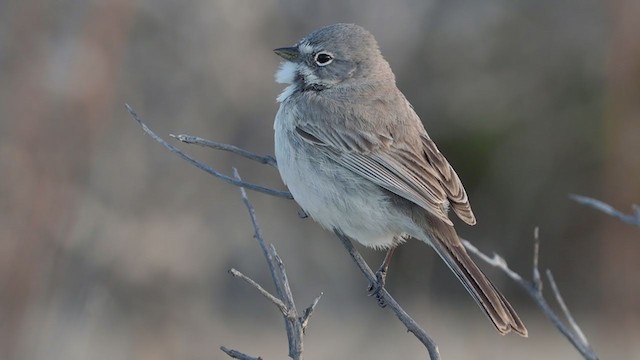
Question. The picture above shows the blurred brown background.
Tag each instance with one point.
(113, 248)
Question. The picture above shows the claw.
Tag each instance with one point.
(381, 276)
(375, 287)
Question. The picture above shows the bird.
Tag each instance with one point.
(357, 158)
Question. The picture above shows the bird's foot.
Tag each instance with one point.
(375, 288)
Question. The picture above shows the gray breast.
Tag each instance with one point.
(332, 195)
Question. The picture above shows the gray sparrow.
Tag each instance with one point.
(358, 160)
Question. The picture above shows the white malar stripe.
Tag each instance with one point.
(286, 73)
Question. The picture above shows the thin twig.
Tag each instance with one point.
(577, 339)
(306, 314)
(237, 354)
(495, 261)
(190, 139)
(537, 280)
(207, 168)
(391, 303)
(633, 219)
(277, 302)
(284, 284)
(293, 325)
(576, 328)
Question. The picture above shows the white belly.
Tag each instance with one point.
(332, 195)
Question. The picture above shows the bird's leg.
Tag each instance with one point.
(381, 276)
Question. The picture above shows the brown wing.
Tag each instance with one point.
(450, 181)
(402, 172)
(401, 158)
(367, 158)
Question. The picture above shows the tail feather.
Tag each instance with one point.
(494, 304)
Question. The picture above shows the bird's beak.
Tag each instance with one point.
(288, 53)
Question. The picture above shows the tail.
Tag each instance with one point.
(447, 244)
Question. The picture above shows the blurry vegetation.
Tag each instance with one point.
(112, 248)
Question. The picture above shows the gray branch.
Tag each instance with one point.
(262, 159)
(306, 315)
(277, 302)
(534, 289)
(633, 219)
(389, 301)
(574, 325)
(292, 326)
(204, 167)
(235, 354)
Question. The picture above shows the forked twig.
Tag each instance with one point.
(534, 289)
(190, 139)
(204, 167)
(633, 219)
(306, 314)
(294, 324)
(277, 302)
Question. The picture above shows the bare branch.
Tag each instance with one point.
(204, 167)
(281, 306)
(534, 289)
(190, 139)
(576, 328)
(391, 303)
(283, 286)
(306, 315)
(633, 219)
(495, 261)
(293, 325)
(537, 280)
(237, 354)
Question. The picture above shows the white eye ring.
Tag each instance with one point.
(323, 58)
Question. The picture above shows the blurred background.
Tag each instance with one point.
(113, 248)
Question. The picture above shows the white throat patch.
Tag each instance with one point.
(285, 75)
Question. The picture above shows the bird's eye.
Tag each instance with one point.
(323, 58)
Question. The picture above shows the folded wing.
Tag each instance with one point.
(422, 176)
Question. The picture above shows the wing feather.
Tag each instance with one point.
(410, 166)
(450, 182)
(387, 178)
